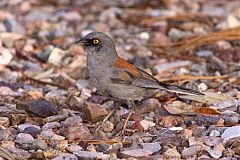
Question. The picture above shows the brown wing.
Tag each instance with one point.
(129, 75)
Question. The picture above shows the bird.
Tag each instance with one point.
(116, 78)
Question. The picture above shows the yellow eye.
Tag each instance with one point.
(96, 41)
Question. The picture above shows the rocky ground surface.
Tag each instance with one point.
(50, 110)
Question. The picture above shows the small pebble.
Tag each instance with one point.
(144, 36)
(4, 122)
(51, 125)
(202, 87)
(204, 53)
(74, 148)
(147, 124)
(171, 153)
(214, 133)
(23, 138)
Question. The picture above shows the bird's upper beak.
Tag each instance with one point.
(81, 41)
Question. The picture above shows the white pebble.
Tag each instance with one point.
(144, 36)
(147, 124)
(214, 133)
(202, 87)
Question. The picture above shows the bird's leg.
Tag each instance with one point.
(132, 106)
(116, 105)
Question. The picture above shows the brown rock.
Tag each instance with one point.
(191, 151)
(216, 151)
(170, 121)
(34, 94)
(17, 118)
(172, 153)
(61, 145)
(76, 132)
(4, 121)
(187, 133)
(147, 106)
(42, 108)
(93, 112)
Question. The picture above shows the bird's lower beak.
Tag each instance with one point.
(81, 41)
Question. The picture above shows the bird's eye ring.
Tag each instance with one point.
(95, 41)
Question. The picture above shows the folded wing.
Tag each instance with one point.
(129, 75)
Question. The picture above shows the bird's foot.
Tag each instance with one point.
(116, 105)
(105, 119)
(125, 123)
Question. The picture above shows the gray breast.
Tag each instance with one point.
(98, 75)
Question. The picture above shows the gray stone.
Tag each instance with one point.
(136, 153)
(57, 96)
(7, 134)
(51, 125)
(167, 66)
(23, 138)
(76, 120)
(22, 127)
(85, 155)
(17, 153)
(34, 131)
(36, 144)
(74, 148)
(56, 57)
(50, 135)
(191, 151)
(66, 156)
(153, 147)
(176, 34)
(204, 53)
(231, 132)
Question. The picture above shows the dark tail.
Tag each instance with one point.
(179, 89)
(171, 88)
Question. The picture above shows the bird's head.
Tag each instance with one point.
(98, 43)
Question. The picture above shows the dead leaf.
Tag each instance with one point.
(205, 110)
(178, 107)
(193, 43)
(208, 98)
